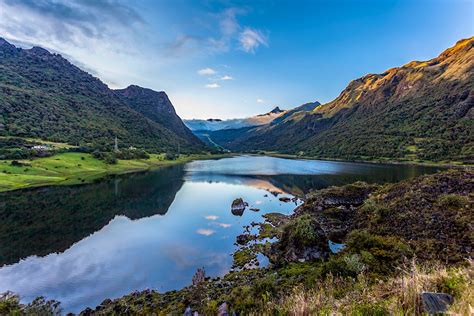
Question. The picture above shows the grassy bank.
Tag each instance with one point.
(76, 168)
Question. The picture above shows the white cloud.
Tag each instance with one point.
(205, 232)
(226, 77)
(206, 72)
(212, 86)
(250, 39)
(260, 100)
(212, 217)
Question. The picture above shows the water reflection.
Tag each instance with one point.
(82, 244)
(41, 221)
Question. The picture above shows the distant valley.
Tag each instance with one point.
(422, 111)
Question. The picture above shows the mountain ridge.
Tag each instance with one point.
(419, 111)
(45, 96)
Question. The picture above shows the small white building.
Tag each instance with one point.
(41, 147)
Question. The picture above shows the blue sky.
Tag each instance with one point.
(227, 58)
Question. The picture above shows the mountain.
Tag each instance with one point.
(42, 95)
(422, 110)
(217, 124)
(157, 107)
(302, 108)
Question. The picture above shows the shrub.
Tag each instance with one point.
(170, 156)
(380, 253)
(300, 231)
(452, 201)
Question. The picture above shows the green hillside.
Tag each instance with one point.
(42, 95)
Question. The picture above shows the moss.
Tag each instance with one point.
(243, 256)
(300, 230)
(369, 309)
(379, 253)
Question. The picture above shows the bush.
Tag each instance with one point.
(16, 163)
(171, 156)
(452, 201)
(300, 231)
(379, 253)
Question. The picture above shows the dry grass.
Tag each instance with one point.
(397, 296)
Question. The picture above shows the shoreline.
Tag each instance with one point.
(388, 162)
(77, 176)
(10, 182)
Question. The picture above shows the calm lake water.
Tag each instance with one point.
(82, 244)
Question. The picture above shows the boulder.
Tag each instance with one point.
(238, 207)
(436, 303)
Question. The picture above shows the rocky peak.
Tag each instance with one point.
(276, 110)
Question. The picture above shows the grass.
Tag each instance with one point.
(76, 168)
(396, 296)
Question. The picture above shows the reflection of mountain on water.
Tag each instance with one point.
(46, 220)
(300, 184)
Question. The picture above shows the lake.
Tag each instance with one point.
(82, 244)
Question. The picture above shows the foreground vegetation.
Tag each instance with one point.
(399, 240)
(76, 168)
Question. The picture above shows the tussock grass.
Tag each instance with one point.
(397, 296)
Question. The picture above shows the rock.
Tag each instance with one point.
(436, 303)
(285, 199)
(238, 207)
(245, 238)
(188, 311)
(223, 310)
(255, 209)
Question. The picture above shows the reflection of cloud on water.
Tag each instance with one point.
(205, 232)
(122, 257)
(223, 225)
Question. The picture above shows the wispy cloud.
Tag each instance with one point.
(250, 39)
(205, 232)
(212, 85)
(212, 217)
(56, 24)
(206, 72)
(260, 100)
(227, 77)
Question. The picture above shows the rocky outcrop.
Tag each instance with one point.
(238, 207)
